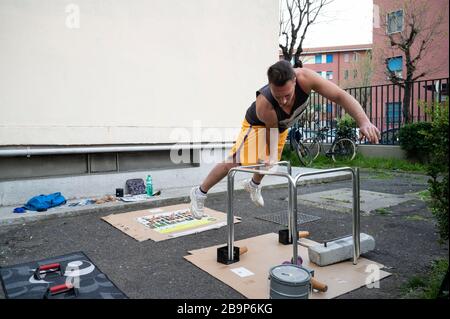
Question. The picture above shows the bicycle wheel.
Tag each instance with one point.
(313, 147)
(303, 154)
(343, 150)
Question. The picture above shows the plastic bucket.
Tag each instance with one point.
(289, 282)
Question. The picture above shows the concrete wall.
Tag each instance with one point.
(23, 167)
(127, 72)
(18, 192)
(383, 151)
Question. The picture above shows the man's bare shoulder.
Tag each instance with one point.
(263, 103)
(304, 78)
(264, 110)
(303, 72)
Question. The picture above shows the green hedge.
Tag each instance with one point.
(412, 138)
(437, 139)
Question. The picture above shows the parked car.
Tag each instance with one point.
(390, 136)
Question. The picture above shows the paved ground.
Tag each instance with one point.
(406, 242)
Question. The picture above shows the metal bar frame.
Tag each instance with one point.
(292, 186)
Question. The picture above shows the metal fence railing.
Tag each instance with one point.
(388, 106)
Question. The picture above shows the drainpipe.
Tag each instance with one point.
(33, 151)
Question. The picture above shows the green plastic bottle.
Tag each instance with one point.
(149, 186)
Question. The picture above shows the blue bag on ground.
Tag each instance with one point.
(43, 202)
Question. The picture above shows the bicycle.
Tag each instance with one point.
(308, 149)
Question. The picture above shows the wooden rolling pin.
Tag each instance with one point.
(242, 250)
(303, 234)
(318, 285)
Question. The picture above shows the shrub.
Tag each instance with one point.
(412, 140)
(346, 127)
(437, 169)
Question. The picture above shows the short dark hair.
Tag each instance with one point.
(280, 72)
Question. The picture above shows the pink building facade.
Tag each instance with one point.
(337, 64)
(390, 106)
(434, 61)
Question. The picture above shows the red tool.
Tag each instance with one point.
(60, 289)
(48, 269)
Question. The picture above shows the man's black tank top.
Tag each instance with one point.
(284, 120)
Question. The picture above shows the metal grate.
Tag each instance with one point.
(281, 218)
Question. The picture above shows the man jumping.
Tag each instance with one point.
(264, 130)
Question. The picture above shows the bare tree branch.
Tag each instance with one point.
(413, 41)
(416, 25)
(300, 15)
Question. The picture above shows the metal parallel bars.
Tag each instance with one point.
(292, 188)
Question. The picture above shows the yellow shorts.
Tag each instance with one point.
(250, 147)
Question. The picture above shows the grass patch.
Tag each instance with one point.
(382, 211)
(427, 286)
(336, 199)
(288, 155)
(416, 218)
(382, 175)
(393, 164)
(424, 195)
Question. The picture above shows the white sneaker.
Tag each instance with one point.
(255, 192)
(197, 202)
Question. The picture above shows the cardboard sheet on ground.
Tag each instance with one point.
(166, 222)
(250, 275)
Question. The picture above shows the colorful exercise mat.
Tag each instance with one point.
(76, 269)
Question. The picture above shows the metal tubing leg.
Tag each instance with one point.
(356, 216)
(230, 195)
(294, 231)
(230, 214)
(290, 206)
(356, 204)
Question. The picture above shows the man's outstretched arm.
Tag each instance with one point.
(331, 91)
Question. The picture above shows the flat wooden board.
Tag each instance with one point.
(264, 252)
(166, 222)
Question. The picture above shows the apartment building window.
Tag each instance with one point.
(318, 58)
(393, 112)
(329, 108)
(329, 58)
(355, 74)
(346, 57)
(355, 56)
(395, 65)
(395, 21)
(346, 75)
(308, 59)
(329, 75)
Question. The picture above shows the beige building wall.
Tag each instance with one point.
(86, 72)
